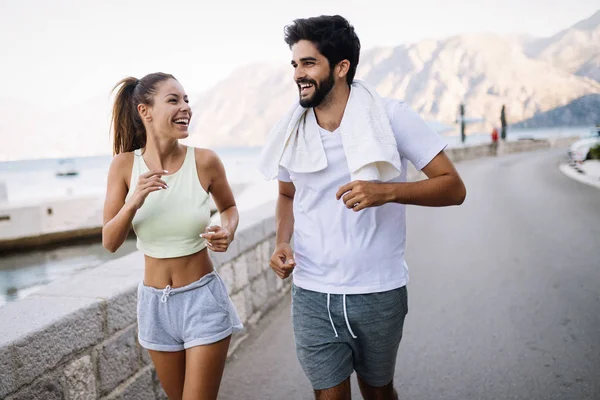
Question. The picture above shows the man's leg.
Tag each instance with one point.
(386, 392)
(339, 392)
(377, 320)
(323, 352)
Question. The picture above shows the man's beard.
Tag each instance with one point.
(321, 91)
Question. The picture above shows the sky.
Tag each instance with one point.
(54, 54)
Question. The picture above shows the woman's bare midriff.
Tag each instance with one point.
(177, 272)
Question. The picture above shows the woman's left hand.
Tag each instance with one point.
(218, 238)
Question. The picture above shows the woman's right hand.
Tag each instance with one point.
(147, 183)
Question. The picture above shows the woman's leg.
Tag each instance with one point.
(204, 370)
(170, 368)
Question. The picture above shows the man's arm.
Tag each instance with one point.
(282, 260)
(424, 148)
(284, 214)
(444, 187)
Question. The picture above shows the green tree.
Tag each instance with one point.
(595, 152)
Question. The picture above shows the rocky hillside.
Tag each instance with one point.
(576, 49)
(582, 111)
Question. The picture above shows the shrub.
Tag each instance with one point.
(595, 152)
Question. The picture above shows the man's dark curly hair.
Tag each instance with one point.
(333, 36)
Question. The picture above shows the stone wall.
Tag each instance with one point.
(77, 338)
(465, 153)
(49, 216)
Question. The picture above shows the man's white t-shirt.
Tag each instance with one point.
(341, 251)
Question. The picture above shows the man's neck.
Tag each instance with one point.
(330, 113)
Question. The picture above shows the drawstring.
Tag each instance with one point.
(345, 316)
(330, 319)
(347, 322)
(166, 293)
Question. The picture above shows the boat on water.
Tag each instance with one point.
(67, 167)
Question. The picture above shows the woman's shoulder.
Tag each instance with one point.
(206, 158)
(123, 160)
(121, 165)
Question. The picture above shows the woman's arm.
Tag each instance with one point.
(219, 237)
(118, 214)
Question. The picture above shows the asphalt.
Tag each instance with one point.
(504, 297)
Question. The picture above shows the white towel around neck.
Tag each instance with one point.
(369, 143)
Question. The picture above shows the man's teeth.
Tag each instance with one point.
(305, 85)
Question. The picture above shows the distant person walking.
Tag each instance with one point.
(161, 187)
(495, 141)
(341, 159)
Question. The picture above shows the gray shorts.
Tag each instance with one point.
(192, 315)
(338, 334)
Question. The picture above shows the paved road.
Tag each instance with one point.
(504, 296)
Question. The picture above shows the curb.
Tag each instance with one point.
(573, 173)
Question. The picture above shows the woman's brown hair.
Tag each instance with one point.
(128, 128)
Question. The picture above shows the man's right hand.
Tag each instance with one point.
(282, 260)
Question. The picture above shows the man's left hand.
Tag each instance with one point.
(359, 195)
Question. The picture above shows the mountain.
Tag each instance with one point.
(551, 80)
(239, 110)
(590, 68)
(582, 111)
(576, 49)
(433, 77)
(483, 71)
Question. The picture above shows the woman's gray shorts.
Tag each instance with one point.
(174, 319)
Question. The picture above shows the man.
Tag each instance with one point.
(349, 294)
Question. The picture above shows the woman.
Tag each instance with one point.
(185, 316)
